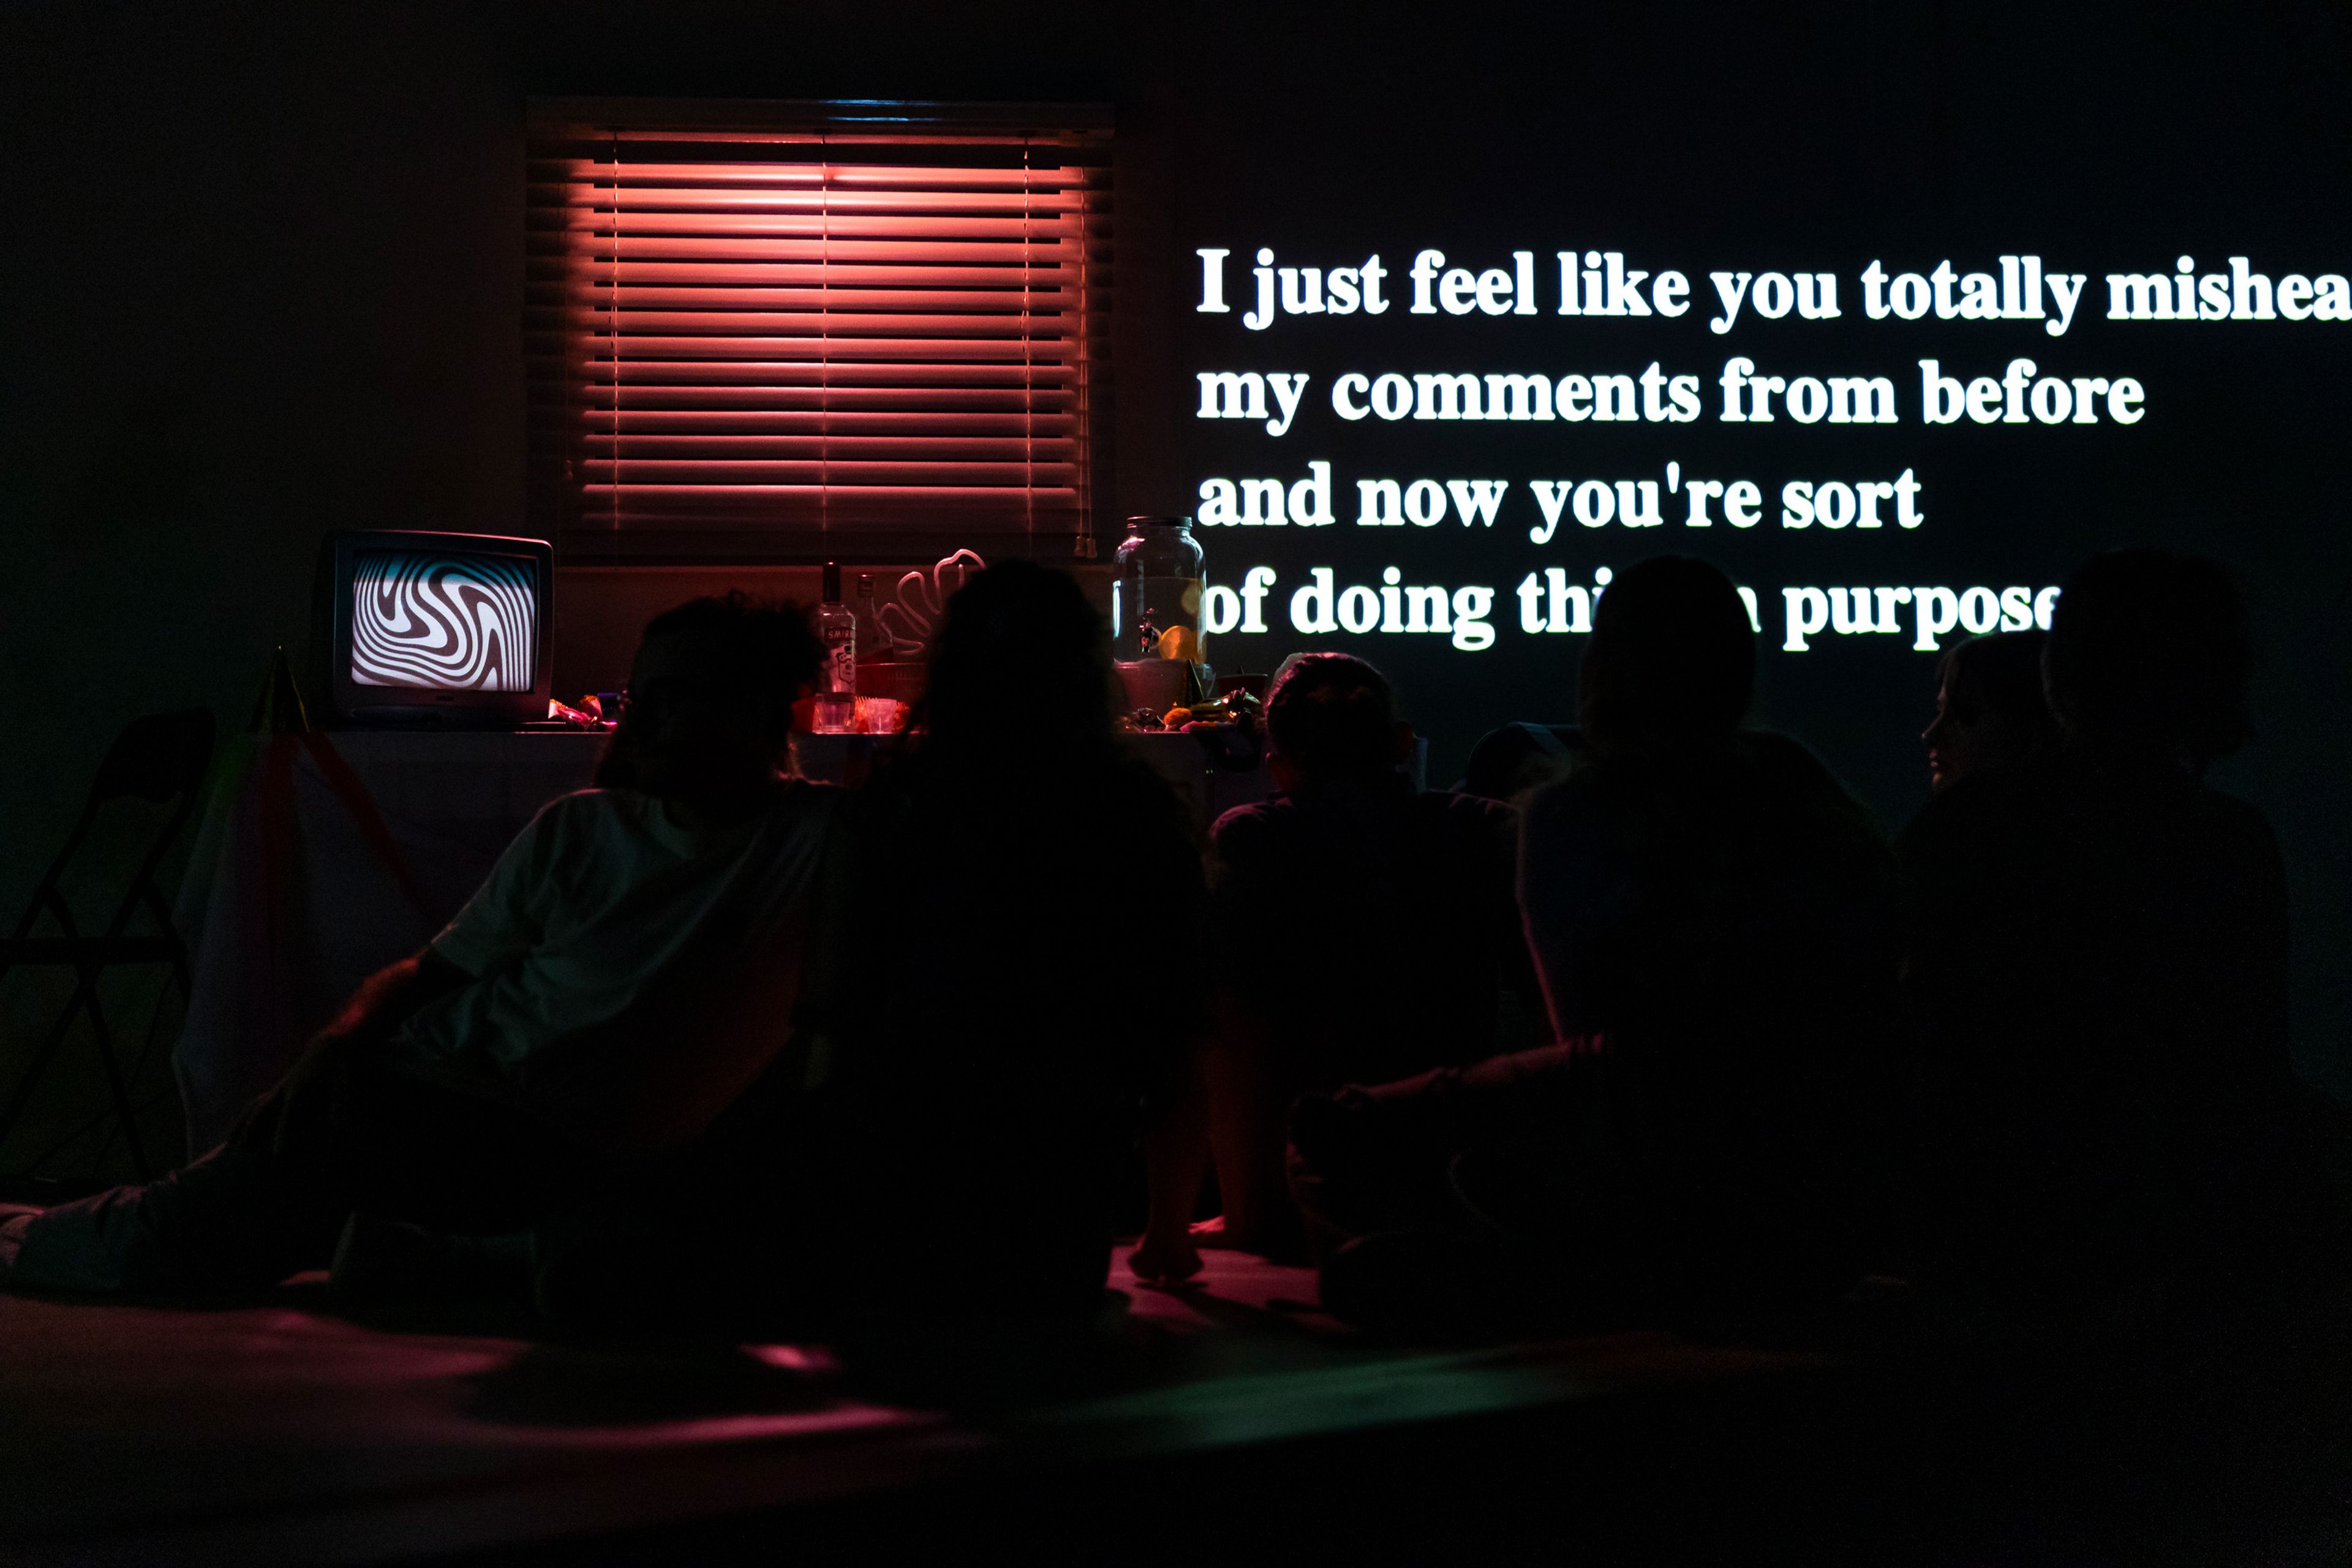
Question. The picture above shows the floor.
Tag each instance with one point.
(1230, 1421)
(287, 1433)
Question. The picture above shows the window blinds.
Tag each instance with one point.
(793, 332)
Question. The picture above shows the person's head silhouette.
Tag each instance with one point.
(1990, 710)
(1332, 719)
(2149, 659)
(711, 690)
(1019, 662)
(1672, 657)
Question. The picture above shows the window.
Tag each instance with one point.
(763, 331)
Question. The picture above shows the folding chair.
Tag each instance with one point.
(158, 759)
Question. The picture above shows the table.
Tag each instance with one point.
(329, 856)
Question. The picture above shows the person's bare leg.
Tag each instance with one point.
(1175, 1158)
(1250, 1084)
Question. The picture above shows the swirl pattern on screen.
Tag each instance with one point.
(443, 623)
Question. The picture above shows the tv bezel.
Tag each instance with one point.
(356, 705)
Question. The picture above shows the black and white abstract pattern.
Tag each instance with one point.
(443, 623)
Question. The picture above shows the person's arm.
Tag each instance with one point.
(384, 1001)
(493, 926)
(1573, 889)
(388, 997)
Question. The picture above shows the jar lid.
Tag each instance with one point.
(1158, 522)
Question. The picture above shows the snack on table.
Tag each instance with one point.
(1236, 708)
(1240, 709)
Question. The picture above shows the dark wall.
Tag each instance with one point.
(260, 277)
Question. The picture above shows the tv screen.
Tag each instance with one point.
(444, 622)
(417, 627)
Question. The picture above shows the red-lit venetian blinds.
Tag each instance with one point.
(789, 333)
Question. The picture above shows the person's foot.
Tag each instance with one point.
(1164, 1259)
(15, 1219)
(1276, 1244)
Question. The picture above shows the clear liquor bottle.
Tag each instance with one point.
(836, 682)
(873, 642)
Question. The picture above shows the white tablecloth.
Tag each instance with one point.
(295, 896)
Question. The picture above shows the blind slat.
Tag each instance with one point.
(844, 174)
(644, 224)
(602, 422)
(570, 273)
(676, 471)
(930, 447)
(731, 294)
(747, 247)
(817, 326)
(633, 201)
(718, 346)
(811, 374)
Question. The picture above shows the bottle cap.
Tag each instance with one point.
(833, 582)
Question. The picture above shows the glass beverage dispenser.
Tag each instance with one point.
(1155, 613)
(1155, 604)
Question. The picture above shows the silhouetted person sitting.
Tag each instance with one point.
(622, 975)
(1360, 929)
(1989, 707)
(1013, 966)
(1710, 917)
(2100, 968)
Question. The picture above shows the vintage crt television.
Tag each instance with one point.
(439, 630)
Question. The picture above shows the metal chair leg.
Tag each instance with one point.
(115, 1086)
(40, 1065)
(84, 997)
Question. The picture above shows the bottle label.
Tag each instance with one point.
(840, 677)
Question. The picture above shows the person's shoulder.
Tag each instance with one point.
(1992, 804)
(1592, 800)
(806, 804)
(1461, 805)
(2222, 806)
(1506, 761)
(1784, 753)
(592, 803)
(574, 830)
(1787, 762)
(589, 810)
(807, 798)
(1581, 787)
(2240, 822)
(1454, 815)
(1243, 828)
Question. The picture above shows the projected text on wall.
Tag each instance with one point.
(1517, 528)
